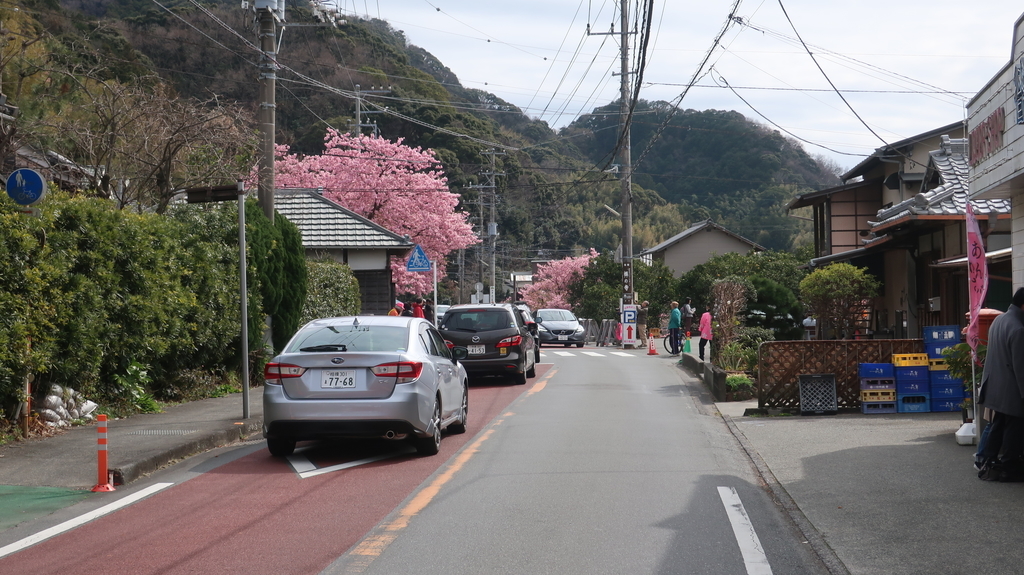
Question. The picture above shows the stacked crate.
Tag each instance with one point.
(947, 393)
(913, 392)
(877, 388)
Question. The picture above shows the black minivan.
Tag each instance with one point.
(497, 337)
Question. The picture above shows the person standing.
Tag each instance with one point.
(397, 310)
(706, 331)
(674, 321)
(1002, 391)
(688, 312)
(417, 308)
(428, 311)
(641, 323)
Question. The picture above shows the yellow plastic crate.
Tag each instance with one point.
(909, 359)
(878, 395)
(937, 364)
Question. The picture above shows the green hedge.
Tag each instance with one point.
(96, 289)
(333, 291)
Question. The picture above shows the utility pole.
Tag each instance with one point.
(625, 165)
(357, 128)
(492, 225)
(267, 12)
(625, 162)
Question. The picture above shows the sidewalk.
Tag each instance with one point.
(136, 446)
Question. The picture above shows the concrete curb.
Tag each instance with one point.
(785, 502)
(129, 472)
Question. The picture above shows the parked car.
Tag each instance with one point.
(439, 311)
(559, 326)
(496, 338)
(365, 376)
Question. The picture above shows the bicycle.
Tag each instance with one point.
(667, 344)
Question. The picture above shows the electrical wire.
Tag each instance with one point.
(767, 119)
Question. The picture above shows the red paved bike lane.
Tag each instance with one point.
(255, 514)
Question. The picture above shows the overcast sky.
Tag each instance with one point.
(905, 66)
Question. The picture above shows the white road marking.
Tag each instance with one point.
(754, 558)
(593, 354)
(564, 353)
(305, 469)
(622, 354)
(81, 519)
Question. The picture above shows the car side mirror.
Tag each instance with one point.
(459, 353)
(538, 320)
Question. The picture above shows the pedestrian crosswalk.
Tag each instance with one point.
(592, 353)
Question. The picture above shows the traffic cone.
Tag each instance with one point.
(651, 348)
(686, 346)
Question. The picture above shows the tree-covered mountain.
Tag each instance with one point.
(551, 199)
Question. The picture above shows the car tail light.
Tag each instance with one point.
(510, 341)
(402, 371)
(273, 373)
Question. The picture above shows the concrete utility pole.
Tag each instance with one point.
(357, 128)
(267, 12)
(625, 162)
(492, 225)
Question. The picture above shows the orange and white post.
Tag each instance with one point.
(651, 348)
(103, 482)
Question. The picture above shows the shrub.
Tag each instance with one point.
(332, 291)
(735, 383)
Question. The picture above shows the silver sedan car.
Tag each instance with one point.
(365, 376)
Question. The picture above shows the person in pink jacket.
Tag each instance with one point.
(705, 330)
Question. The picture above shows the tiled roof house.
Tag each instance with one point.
(331, 231)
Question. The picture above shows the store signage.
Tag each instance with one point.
(987, 137)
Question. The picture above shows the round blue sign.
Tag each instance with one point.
(26, 187)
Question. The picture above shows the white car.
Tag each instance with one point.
(365, 376)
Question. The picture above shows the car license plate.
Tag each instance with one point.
(563, 338)
(475, 349)
(334, 378)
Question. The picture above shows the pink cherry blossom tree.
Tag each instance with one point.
(400, 188)
(550, 287)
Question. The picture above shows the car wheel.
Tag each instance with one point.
(280, 446)
(568, 345)
(579, 345)
(532, 372)
(519, 378)
(536, 353)
(431, 444)
(460, 424)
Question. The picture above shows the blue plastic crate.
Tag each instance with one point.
(872, 407)
(934, 348)
(872, 384)
(947, 390)
(912, 372)
(876, 371)
(914, 403)
(942, 376)
(947, 404)
(941, 332)
(914, 386)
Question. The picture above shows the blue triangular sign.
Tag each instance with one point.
(418, 261)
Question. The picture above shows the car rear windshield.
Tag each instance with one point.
(477, 320)
(556, 315)
(350, 338)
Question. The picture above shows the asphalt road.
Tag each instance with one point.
(607, 462)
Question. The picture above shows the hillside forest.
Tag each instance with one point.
(79, 69)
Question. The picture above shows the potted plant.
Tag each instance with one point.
(959, 364)
(738, 387)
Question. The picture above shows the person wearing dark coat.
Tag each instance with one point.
(1002, 391)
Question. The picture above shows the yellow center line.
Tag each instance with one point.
(543, 382)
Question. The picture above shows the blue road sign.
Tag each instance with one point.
(26, 187)
(418, 261)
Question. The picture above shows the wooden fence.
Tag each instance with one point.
(781, 363)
